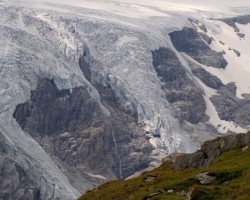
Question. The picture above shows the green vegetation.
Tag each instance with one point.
(232, 171)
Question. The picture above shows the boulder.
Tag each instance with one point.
(245, 148)
(151, 177)
(205, 178)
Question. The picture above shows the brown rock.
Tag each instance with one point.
(210, 150)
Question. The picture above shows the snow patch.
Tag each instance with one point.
(221, 125)
(238, 68)
(96, 176)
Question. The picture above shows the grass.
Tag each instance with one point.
(232, 167)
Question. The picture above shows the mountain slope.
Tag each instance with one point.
(228, 176)
(92, 91)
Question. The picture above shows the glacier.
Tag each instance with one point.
(45, 39)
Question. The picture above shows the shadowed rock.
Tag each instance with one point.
(185, 97)
(207, 78)
(206, 38)
(237, 52)
(240, 20)
(189, 41)
(231, 108)
(70, 125)
(241, 35)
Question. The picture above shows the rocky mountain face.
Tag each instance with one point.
(69, 124)
(90, 95)
(190, 42)
(240, 20)
(181, 92)
(210, 150)
(231, 108)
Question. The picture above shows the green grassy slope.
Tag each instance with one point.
(232, 170)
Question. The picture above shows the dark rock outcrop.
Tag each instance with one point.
(240, 20)
(231, 108)
(190, 42)
(237, 52)
(241, 35)
(185, 97)
(207, 78)
(85, 67)
(196, 23)
(206, 38)
(70, 125)
(210, 150)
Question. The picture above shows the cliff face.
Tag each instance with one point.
(189, 41)
(70, 125)
(181, 92)
(210, 150)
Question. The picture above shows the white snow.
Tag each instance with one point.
(146, 8)
(96, 176)
(221, 125)
(238, 68)
(30, 29)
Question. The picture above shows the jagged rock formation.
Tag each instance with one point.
(207, 78)
(190, 42)
(206, 38)
(185, 97)
(69, 124)
(231, 108)
(210, 150)
(245, 19)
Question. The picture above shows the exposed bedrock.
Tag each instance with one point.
(185, 97)
(231, 108)
(206, 38)
(70, 124)
(190, 42)
(240, 20)
(208, 79)
(210, 150)
(196, 23)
